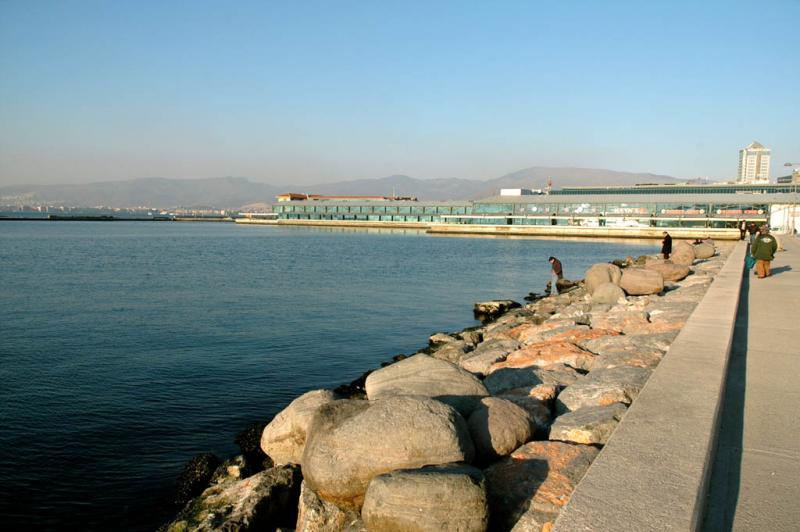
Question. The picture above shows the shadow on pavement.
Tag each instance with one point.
(723, 492)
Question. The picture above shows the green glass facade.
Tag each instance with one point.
(612, 206)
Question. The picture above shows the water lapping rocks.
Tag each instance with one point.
(490, 428)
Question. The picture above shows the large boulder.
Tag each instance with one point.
(603, 387)
(669, 270)
(529, 487)
(429, 377)
(592, 425)
(498, 427)
(704, 251)
(608, 293)
(487, 353)
(546, 354)
(264, 501)
(442, 498)
(284, 438)
(350, 442)
(317, 515)
(641, 282)
(600, 274)
(682, 253)
(506, 379)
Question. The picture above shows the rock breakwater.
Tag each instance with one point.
(490, 428)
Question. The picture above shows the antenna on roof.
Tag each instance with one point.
(549, 186)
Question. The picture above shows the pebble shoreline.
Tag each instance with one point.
(490, 428)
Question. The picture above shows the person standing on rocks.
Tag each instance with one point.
(763, 250)
(666, 245)
(557, 273)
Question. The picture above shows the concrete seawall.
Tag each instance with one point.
(517, 230)
(653, 474)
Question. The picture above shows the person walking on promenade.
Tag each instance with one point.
(763, 250)
(742, 229)
(557, 273)
(666, 245)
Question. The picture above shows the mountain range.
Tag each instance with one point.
(235, 192)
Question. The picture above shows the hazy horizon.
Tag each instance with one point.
(311, 183)
(318, 93)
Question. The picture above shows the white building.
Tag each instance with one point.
(753, 164)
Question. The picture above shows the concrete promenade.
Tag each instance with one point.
(755, 483)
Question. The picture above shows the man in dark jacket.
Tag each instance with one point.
(763, 250)
(558, 273)
(666, 245)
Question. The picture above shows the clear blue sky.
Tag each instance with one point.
(305, 92)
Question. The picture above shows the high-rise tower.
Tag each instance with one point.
(753, 164)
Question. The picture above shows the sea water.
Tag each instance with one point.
(128, 347)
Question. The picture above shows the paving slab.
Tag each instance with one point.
(755, 484)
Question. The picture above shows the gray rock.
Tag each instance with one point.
(440, 338)
(472, 338)
(608, 293)
(538, 405)
(644, 357)
(433, 499)
(429, 377)
(591, 425)
(603, 387)
(704, 251)
(629, 343)
(317, 515)
(487, 353)
(493, 309)
(284, 438)
(230, 470)
(532, 484)
(669, 270)
(693, 293)
(195, 477)
(451, 352)
(350, 442)
(498, 427)
(641, 281)
(506, 379)
(263, 501)
(682, 253)
(574, 310)
(600, 274)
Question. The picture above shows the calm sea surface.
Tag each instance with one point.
(126, 348)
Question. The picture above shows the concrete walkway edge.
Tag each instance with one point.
(653, 474)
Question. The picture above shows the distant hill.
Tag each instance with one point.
(234, 192)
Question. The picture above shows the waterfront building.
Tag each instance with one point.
(753, 164)
(793, 178)
(650, 207)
